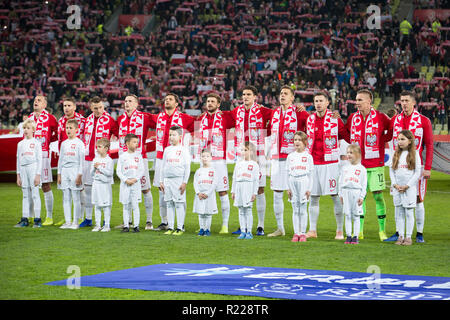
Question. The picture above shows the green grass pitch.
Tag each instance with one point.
(29, 257)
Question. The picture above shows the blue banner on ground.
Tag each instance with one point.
(284, 283)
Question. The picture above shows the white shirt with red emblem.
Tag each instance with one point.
(354, 176)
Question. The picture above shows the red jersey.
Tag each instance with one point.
(424, 138)
(282, 131)
(62, 128)
(138, 123)
(102, 127)
(212, 131)
(266, 115)
(46, 130)
(318, 153)
(162, 123)
(383, 135)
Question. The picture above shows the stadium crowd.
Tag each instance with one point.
(220, 46)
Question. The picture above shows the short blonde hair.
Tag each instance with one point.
(30, 122)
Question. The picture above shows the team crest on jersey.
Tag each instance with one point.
(372, 139)
(136, 159)
(211, 174)
(288, 136)
(254, 133)
(31, 145)
(217, 139)
(178, 152)
(72, 146)
(250, 167)
(330, 142)
(304, 159)
(357, 172)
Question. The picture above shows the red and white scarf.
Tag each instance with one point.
(415, 126)
(102, 129)
(286, 145)
(372, 145)
(133, 124)
(161, 124)
(62, 127)
(42, 131)
(330, 135)
(216, 134)
(255, 128)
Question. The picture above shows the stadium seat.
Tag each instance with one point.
(423, 69)
(429, 76)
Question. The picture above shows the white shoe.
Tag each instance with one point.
(66, 226)
(74, 226)
(105, 229)
(96, 229)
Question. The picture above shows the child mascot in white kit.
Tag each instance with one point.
(28, 168)
(70, 174)
(352, 191)
(300, 166)
(176, 168)
(205, 183)
(405, 172)
(245, 188)
(102, 172)
(130, 169)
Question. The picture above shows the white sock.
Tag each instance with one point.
(76, 204)
(420, 217)
(201, 221)
(181, 214)
(249, 219)
(26, 195)
(401, 221)
(170, 217)
(303, 217)
(409, 214)
(261, 208)
(126, 215)
(225, 205)
(296, 218)
(36, 202)
(278, 209)
(148, 203)
(242, 220)
(208, 219)
(356, 225)
(338, 212)
(83, 203)
(396, 217)
(98, 216)
(348, 224)
(107, 215)
(136, 213)
(314, 212)
(162, 208)
(48, 200)
(88, 201)
(67, 205)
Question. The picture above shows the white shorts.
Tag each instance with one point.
(262, 171)
(325, 179)
(68, 178)
(278, 175)
(145, 179)
(421, 187)
(87, 177)
(27, 175)
(46, 173)
(157, 166)
(172, 190)
(220, 166)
